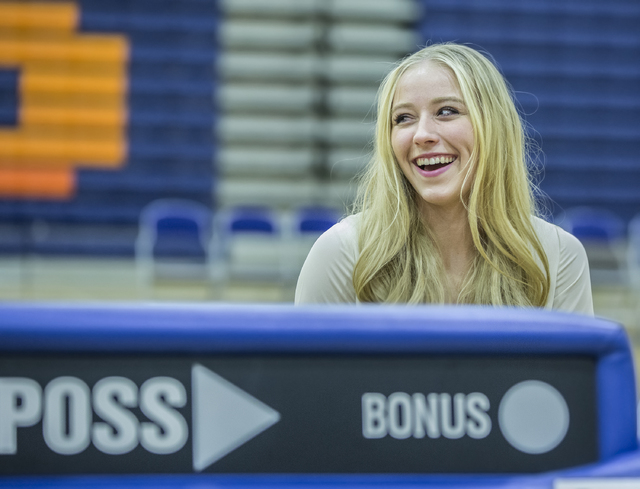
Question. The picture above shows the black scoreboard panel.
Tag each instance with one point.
(293, 413)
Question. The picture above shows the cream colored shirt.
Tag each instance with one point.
(326, 276)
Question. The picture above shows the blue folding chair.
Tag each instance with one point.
(250, 241)
(174, 241)
(306, 226)
(603, 235)
(315, 220)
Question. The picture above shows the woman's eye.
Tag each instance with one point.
(400, 118)
(447, 111)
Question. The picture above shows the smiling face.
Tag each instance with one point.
(431, 135)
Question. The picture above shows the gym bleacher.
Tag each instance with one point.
(115, 102)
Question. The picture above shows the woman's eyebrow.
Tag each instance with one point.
(435, 101)
(401, 106)
(440, 100)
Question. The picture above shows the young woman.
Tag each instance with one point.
(445, 212)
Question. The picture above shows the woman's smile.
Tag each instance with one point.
(431, 165)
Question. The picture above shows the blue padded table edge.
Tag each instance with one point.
(191, 328)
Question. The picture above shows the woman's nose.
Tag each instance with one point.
(426, 132)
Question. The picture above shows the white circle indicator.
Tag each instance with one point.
(533, 417)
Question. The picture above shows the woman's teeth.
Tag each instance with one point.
(438, 160)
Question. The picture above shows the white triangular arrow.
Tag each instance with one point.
(224, 417)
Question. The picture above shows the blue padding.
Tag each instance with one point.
(616, 401)
(224, 328)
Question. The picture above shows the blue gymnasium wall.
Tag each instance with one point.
(168, 142)
(575, 67)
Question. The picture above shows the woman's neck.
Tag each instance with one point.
(450, 228)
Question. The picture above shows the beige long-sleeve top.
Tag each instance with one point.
(326, 276)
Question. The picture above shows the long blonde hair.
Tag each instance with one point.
(399, 261)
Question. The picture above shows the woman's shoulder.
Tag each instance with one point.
(349, 224)
(555, 239)
(569, 269)
(326, 276)
(342, 234)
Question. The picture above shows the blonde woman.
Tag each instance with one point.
(445, 212)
